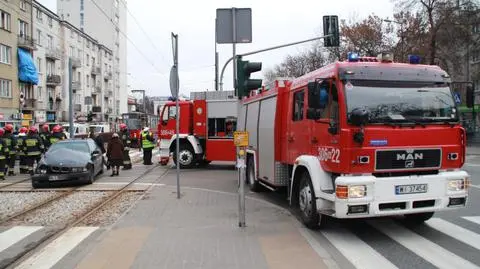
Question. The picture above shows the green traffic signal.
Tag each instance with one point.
(244, 83)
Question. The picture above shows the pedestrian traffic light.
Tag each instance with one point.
(470, 96)
(89, 116)
(330, 27)
(244, 83)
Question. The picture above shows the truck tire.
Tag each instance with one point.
(418, 218)
(187, 157)
(307, 205)
(252, 180)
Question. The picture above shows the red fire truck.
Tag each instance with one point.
(206, 129)
(366, 137)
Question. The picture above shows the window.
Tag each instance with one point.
(5, 21)
(88, 60)
(5, 88)
(50, 22)
(79, 54)
(23, 28)
(50, 67)
(298, 101)
(39, 15)
(93, 61)
(39, 37)
(5, 54)
(39, 92)
(23, 5)
(72, 51)
(39, 64)
(88, 81)
(50, 42)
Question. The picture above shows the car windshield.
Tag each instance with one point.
(402, 101)
(75, 146)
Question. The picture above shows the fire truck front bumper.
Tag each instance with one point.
(370, 196)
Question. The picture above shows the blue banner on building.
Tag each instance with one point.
(27, 72)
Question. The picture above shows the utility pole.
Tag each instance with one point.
(70, 98)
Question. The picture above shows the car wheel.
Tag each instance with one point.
(91, 175)
(36, 185)
(307, 205)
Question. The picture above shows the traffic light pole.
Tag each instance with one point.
(70, 98)
(263, 50)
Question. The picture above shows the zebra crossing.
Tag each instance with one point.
(375, 243)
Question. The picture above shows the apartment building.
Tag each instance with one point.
(106, 21)
(15, 33)
(60, 43)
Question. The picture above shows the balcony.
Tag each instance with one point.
(53, 53)
(26, 42)
(76, 85)
(30, 104)
(107, 75)
(76, 62)
(96, 109)
(77, 107)
(54, 80)
(96, 70)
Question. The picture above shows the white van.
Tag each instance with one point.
(79, 130)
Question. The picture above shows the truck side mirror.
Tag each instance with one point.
(470, 96)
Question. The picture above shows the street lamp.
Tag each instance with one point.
(401, 35)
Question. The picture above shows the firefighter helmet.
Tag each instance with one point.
(33, 129)
(2, 131)
(45, 128)
(57, 129)
(23, 130)
(8, 128)
(123, 126)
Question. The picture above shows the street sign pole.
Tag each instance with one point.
(70, 98)
(174, 88)
(240, 139)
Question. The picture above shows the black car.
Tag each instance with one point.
(78, 160)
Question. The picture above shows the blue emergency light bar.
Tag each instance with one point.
(413, 59)
(353, 57)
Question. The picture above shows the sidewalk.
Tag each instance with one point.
(201, 231)
(473, 150)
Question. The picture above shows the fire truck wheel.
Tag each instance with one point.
(251, 178)
(418, 218)
(307, 205)
(187, 157)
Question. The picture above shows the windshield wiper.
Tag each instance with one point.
(436, 120)
(397, 120)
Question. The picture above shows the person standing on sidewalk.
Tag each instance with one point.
(11, 142)
(22, 135)
(4, 154)
(115, 154)
(148, 144)
(125, 136)
(33, 148)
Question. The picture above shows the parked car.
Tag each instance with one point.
(72, 160)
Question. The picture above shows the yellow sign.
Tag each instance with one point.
(25, 123)
(240, 139)
(27, 116)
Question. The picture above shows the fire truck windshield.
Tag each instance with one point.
(402, 101)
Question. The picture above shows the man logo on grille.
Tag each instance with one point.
(409, 164)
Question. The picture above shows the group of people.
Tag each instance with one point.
(118, 149)
(28, 146)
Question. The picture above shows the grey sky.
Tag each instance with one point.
(273, 22)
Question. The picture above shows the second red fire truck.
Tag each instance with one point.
(366, 137)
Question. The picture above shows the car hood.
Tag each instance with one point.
(66, 157)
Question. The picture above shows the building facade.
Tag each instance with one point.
(105, 21)
(16, 30)
(60, 44)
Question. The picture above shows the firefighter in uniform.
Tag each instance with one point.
(56, 135)
(4, 154)
(22, 133)
(147, 143)
(11, 158)
(125, 136)
(33, 148)
(45, 136)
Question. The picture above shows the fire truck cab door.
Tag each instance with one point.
(168, 123)
(323, 115)
(297, 134)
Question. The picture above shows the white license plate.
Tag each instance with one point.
(53, 178)
(412, 188)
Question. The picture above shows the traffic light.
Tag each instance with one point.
(89, 116)
(22, 99)
(244, 83)
(470, 96)
(330, 27)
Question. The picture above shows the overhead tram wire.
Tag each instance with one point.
(131, 42)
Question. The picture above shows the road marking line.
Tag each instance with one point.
(474, 219)
(47, 257)
(16, 234)
(466, 236)
(422, 247)
(125, 183)
(359, 253)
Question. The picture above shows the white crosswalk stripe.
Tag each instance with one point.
(357, 250)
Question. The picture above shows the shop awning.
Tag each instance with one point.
(27, 72)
